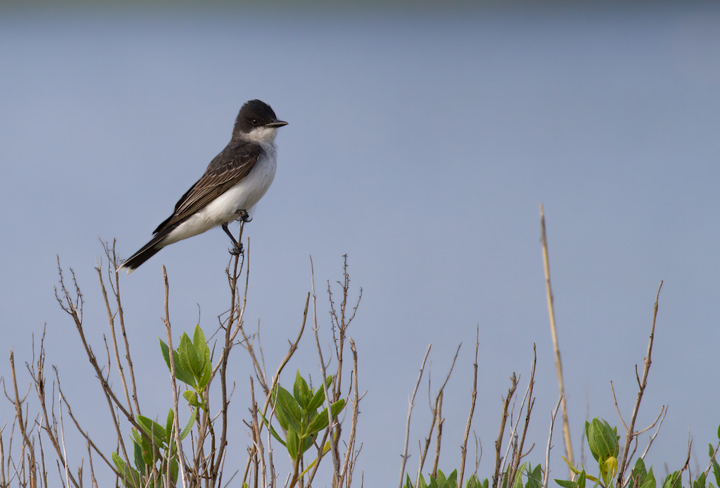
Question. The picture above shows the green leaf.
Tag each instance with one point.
(272, 430)
(119, 463)
(408, 482)
(203, 352)
(199, 342)
(672, 480)
(699, 482)
(534, 477)
(321, 421)
(337, 407)
(189, 358)
(473, 482)
(293, 442)
(421, 482)
(174, 470)
(566, 483)
(128, 475)
(139, 461)
(287, 406)
(447, 482)
(169, 423)
(192, 399)
(440, 477)
(301, 391)
(602, 440)
(581, 479)
(638, 474)
(716, 471)
(180, 372)
(145, 448)
(188, 427)
(517, 483)
(319, 397)
(306, 443)
(152, 429)
(649, 481)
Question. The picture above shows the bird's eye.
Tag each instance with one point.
(254, 122)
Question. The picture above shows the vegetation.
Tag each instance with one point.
(301, 420)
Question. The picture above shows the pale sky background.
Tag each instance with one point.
(421, 142)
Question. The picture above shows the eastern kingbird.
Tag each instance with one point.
(232, 184)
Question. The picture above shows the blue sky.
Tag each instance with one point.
(421, 143)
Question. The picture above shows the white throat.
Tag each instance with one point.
(261, 135)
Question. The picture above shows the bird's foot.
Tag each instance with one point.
(244, 215)
(236, 250)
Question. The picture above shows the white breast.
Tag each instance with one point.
(224, 209)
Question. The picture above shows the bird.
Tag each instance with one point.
(233, 183)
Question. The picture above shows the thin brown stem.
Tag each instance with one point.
(617, 409)
(434, 409)
(173, 382)
(331, 421)
(473, 398)
(503, 421)
(518, 454)
(439, 420)
(111, 320)
(276, 377)
(23, 425)
(546, 475)
(350, 453)
(622, 465)
(410, 409)
(556, 347)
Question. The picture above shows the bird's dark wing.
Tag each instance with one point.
(227, 169)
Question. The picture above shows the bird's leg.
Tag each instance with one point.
(237, 246)
(244, 215)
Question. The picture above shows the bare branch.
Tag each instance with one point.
(434, 410)
(707, 471)
(622, 466)
(439, 421)
(410, 408)
(331, 421)
(350, 455)
(546, 477)
(556, 347)
(463, 449)
(173, 382)
(662, 408)
(617, 409)
(503, 420)
(518, 455)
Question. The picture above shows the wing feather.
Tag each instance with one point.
(229, 167)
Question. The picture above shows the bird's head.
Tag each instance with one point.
(256, 122)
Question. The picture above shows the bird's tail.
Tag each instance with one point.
(145, 253)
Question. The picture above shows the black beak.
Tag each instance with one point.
(276, 124)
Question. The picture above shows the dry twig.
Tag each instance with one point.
(503, 421)
(173, 382)
(410, 408)
(463, 449)
(556, 347)
(642, 384)
(546, 476)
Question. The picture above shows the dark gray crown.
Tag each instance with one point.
(254, 113)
